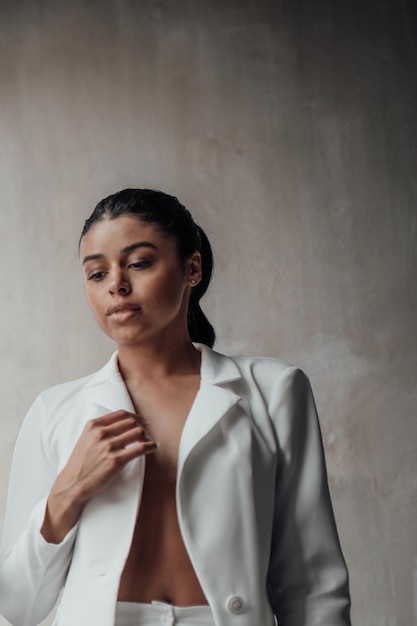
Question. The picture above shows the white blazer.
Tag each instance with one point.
(252, 502)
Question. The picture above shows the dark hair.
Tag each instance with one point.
(174, 219)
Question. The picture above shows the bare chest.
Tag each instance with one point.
(158, 566)
(166, 408)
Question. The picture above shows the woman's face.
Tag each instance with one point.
(136, 284)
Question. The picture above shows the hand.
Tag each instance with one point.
(105, 446)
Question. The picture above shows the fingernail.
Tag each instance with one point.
(152, 446)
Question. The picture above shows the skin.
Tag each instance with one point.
(138, 290)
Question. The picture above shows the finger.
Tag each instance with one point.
(118, 428)
(117, 416)
(141, 448)
(129, 437)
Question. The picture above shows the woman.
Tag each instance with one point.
(231, 524)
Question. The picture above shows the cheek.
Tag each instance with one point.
(172, 290)
(93, 301)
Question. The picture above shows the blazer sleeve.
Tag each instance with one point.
(32, 571)
(308, 579)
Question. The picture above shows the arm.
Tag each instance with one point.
(44, 507)
(308, 580)
(32, 571)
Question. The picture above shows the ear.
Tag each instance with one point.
(194, 271)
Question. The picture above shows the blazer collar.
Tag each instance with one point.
(107, 388)
(216, 369)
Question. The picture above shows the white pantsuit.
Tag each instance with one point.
(252, 502)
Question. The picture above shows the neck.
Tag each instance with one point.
(159, 359)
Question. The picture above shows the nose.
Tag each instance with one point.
(119, 284)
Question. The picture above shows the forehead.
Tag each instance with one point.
(109, 235)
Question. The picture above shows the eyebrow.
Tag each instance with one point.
(126, 250)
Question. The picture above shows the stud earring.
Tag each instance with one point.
(193, 282)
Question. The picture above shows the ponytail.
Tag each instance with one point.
(199, 327)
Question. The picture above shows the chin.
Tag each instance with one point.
(127, 338)
(123, 334)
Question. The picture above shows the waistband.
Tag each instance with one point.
(162, 614)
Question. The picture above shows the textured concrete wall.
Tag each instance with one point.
(289, 129)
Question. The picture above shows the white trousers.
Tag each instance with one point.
(162, 614)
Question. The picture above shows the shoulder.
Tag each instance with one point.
(55, 399)
(263, 374)
(262, 366)
(283, 390)
(275, 379)
(56, 417)
(267, 370)
(57, 394)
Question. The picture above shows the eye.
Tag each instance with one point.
(96, 276)
(139, 265)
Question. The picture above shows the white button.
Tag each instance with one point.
(235, 605)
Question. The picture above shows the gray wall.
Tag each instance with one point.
(289, 129)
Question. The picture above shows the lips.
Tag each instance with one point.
(122, 306)
(122, 311)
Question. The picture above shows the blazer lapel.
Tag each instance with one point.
(213, 400)
(116, 506)
(108, 390)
